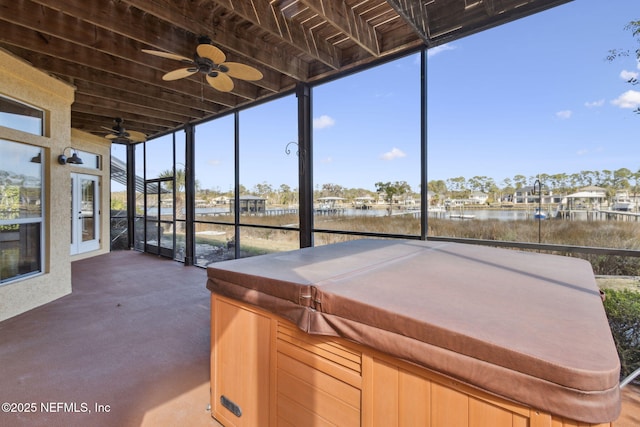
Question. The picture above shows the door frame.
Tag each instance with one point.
(154, 227)
(77, 244)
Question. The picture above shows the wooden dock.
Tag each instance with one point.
(598, 215)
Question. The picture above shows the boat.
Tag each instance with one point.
(436, 209)
(622, 202)
(329, 205)
(540, 214)
(461, 216)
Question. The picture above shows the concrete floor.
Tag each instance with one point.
(129, 347)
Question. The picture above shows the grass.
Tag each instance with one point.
(599, 234)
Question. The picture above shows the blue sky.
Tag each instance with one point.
(532, 96)
(537, 96)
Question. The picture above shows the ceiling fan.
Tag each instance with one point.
(119, 133)
(210, 61)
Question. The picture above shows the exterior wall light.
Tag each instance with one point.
(37, 158)
(74, 159)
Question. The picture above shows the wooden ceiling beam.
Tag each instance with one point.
(96, 125)
(85, 39)
(106, 92)
(92, 128)
(270, 17)
(116, 105)
(441, 21)
(165, 98)
(113, 43)
(131, 122)
(47, 45)
(196, 24)
(348, 22)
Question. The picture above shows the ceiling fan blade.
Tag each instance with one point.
(111, 136)
(242, 71)
(136, 136)
(211, 52)
(167, 55)
(180, 73)
(221, 82)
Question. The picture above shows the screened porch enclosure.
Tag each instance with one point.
(188, 183)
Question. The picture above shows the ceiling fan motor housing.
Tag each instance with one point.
(205, 65)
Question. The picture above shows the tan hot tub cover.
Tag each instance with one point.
(525, 326)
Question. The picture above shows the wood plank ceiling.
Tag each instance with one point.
(97, 47)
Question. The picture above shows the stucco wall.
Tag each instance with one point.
(21, 81)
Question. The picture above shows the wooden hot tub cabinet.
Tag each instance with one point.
(406, 333)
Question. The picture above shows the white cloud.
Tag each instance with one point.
(439, 49)
(213, 162)
(565, 114)
(593, 104)
(395, 153)
(323, 122)
(588, 151)
(628, 75)
(629, 99)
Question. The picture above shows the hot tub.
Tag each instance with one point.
(401, 332)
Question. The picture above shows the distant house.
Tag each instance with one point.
(529, 195)
(594, 191)
(475, 198)
(363, 202)
(454, 203)
(590, 197)
(525, 195)
(478, 198)
(251, 204)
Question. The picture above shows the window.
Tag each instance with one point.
(268, 177)
(22, 117)
(214, 173)
(119, 224)
(366, 149)
(21, 211)
(139, 177)
(89, 160)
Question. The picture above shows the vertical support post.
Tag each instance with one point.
(189, 194)
(236, 184)
(539, 185)
(305, 165)
(424, 191)
(131, 195)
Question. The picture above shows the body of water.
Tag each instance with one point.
(452, 214)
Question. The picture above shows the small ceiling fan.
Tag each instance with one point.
(119, 133)
(210, 61)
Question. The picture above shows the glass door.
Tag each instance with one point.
(85, 213)
(160, 217)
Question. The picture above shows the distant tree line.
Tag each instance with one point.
(457, 187)
(560, 183)
(460, 187)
